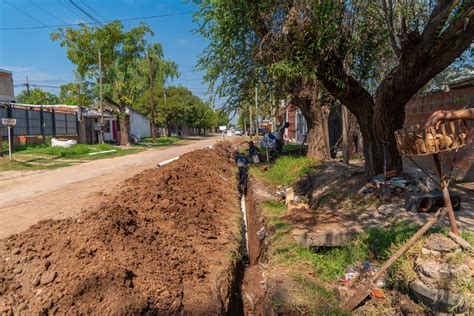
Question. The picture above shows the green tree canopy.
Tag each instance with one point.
(177, 107)
(120, 53)
(82, 94)
(37, 96)
(372, 56)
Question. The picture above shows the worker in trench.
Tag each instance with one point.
(441, 116)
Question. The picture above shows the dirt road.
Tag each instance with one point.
(28, 197)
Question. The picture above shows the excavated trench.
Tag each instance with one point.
(253, 234)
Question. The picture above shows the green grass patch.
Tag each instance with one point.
(318, 297)
(285, 170)
(331, 263)
(44, 156)
(468, 236)
(160, 141)
(291, 148)
(75, 151)
(7, 165)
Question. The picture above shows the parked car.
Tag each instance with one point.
(262, 131)
(239, 132)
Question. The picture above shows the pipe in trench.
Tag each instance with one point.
(245, 240)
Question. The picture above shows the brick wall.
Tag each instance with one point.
(419, 108)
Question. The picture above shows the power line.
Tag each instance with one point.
(47, 12)
(73, 10)
(109, 21)
(93, 11)
(85, 12)
(27, 14)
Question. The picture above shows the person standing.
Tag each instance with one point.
(279, 137)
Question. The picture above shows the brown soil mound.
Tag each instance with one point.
(160, 245)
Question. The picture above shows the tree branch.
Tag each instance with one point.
(388, 14)
(343, 86)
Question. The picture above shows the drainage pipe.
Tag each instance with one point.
(103, 152)
(164, 163)
(245, 242)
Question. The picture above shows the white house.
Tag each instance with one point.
(140, 125)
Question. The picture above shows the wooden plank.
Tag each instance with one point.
(461, 241)
(364, 291)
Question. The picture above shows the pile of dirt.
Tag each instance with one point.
(160, 245)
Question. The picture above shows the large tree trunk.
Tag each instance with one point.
(361, 104)
(124, 121)
(315, 107)
(353, 135)
(318, 133)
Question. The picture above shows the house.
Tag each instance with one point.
(298, 128)
(140, 125)
(6, 86)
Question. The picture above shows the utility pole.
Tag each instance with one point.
(250, 121)
(27, 86)
(256, 110)
(345, 144)
(82, 138)
(164, 98)
(101, 133)
(152, 101)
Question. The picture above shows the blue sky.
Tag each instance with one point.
(31, 53)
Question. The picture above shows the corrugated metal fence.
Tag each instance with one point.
(39, 121)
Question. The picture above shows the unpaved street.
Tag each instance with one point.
(28, 197)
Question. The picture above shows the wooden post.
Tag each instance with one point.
(345, 143)
(363, 292)
(11, 133)
(9, 142)
(447, 199)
